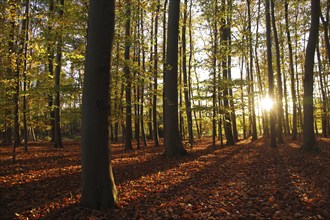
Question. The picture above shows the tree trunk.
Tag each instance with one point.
(309, 141)
(325, 23)
(279, 79)
(57, 108)
(128, 130)
(214, 90)
(26, 24)
(154, 100)
(173, 145)
(270, 76)
(225, 31)
(50, 57)
(98, 187)
(185, 75)
(254, 122)
(324, 101)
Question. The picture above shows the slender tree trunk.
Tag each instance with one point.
(50, 52)
(254, 122)
(279, 79)
(173, 145)
(214, 91)
(154, 100)
(270, 76)
(128, 130)
(185, 75)
(324, 101)
(98, 186)
(144, 138)
(325, 22)
(26, 39)
(309, 141)
(58, 67)
(231, 101)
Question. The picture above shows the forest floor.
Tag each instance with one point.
(247, 181)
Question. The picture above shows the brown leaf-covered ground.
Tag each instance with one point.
(245, 181)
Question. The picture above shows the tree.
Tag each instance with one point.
(270, 76)
(279, 78)
(309, 141)
(172, 139)
(254, 123)
(98, 187)
(185, 75)
(57, 117)
(154, 97)
(128, 129)
(26, 24)
(292, 80)
(225, 32)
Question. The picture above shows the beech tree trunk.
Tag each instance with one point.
(185, 75)
(253, 117)
(172, 139)
(270, 76)
(154, 100)
(309, 141)
(98, 187)
(279, 131)
(57, 104)
(128, 95)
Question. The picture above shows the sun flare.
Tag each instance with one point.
(267, 103)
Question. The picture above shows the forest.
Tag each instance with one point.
(164, 109)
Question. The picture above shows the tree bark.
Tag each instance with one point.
(57, 104)
(279, 131)
(26, 25)
(98, 187)
(324, 101)
(254, 122)
(154, 100)
(128, 130)
(173, 145)
(309, 141)
(270, 76)
(225, 32)
(185, 75)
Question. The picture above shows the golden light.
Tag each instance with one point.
(267, 103)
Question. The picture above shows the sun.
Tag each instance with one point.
(267, 103)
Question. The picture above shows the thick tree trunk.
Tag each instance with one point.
(309, 141)
(173, 145)
(225, 32)
(98, 187)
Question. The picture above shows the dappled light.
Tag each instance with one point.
(249, 180)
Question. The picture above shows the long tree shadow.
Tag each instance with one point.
(189, 193)
(29, 196)
(248, 182)
(156, 163)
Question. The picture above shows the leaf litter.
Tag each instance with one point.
(247, 181)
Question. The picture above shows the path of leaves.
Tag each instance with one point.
(246, 181)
